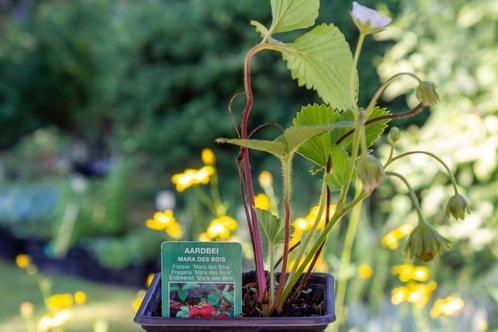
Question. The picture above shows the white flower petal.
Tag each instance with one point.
(365, 14)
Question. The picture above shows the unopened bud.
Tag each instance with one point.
(394, 135)
(427, 93)
(457, 207)
(370, 172)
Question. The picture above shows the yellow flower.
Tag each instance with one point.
(59, 301)
(80, 297)
(265, 179)
(418, 294)
(217, 229)
(191, 177)
(302, 225)
(53, 320)
(138, 300)
(208, 157)
(175, 231)
(203, 175)
(450, 306)
(23, 261)
(161, 220)
(391, 239)
(204, 237)
(262, 202)
(26, 309)
(150, 277)
(365, 271)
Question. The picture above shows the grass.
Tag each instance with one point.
(106, 305)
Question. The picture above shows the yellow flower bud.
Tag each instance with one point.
(265, 179)
(365, 271)
(208, 157)
(80, 297)
(23, 261)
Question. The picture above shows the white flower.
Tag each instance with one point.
(369, 20)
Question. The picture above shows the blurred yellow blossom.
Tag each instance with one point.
(161, 220)
(59, 301)
(391, 239)
(415, 293)
(150, 277)
(407, 272)
(26, 309)
(175, 231)
(262, 202)
(138, 300)
(23, 261)
(449, 306)
(204, 237)
(80, 297)
(208, 157)
(53, 320)
(191, 177)
(265, 179)
(365, 271)
(304, 224)
(220, 227)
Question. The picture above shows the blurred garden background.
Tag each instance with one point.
(102, 102)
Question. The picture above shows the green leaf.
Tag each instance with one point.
(286, 144)
(174, 288)
(275, 148)
(228, 295)
(183, 313)
(188, 286)
(373, 131)
(321, 60)
(260, 28)
(183, 294)
(271, 225)
(294, 137)
(213, 299)
(340, 168)
(316, 149)
(291, 15)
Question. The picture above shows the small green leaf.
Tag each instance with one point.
(294, 137)
(228, 295)
(183, 294)
(340, 167)
(275, 148)
(183, 313)
(213, 299)
(291, 15)
(316, 149)
(271, 225)
(321, 60)
(260, 28)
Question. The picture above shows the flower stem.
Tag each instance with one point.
(445, 166)
(383, 87)
(346, 259)
(413, 197)
(287, 191)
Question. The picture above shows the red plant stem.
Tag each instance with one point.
(411, 112)
(283, 272)
(317, 254)
(246, 168)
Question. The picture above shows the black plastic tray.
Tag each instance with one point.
(262, 324)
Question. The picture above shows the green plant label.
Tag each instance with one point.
(201, 279)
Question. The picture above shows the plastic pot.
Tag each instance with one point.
(146, 314)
